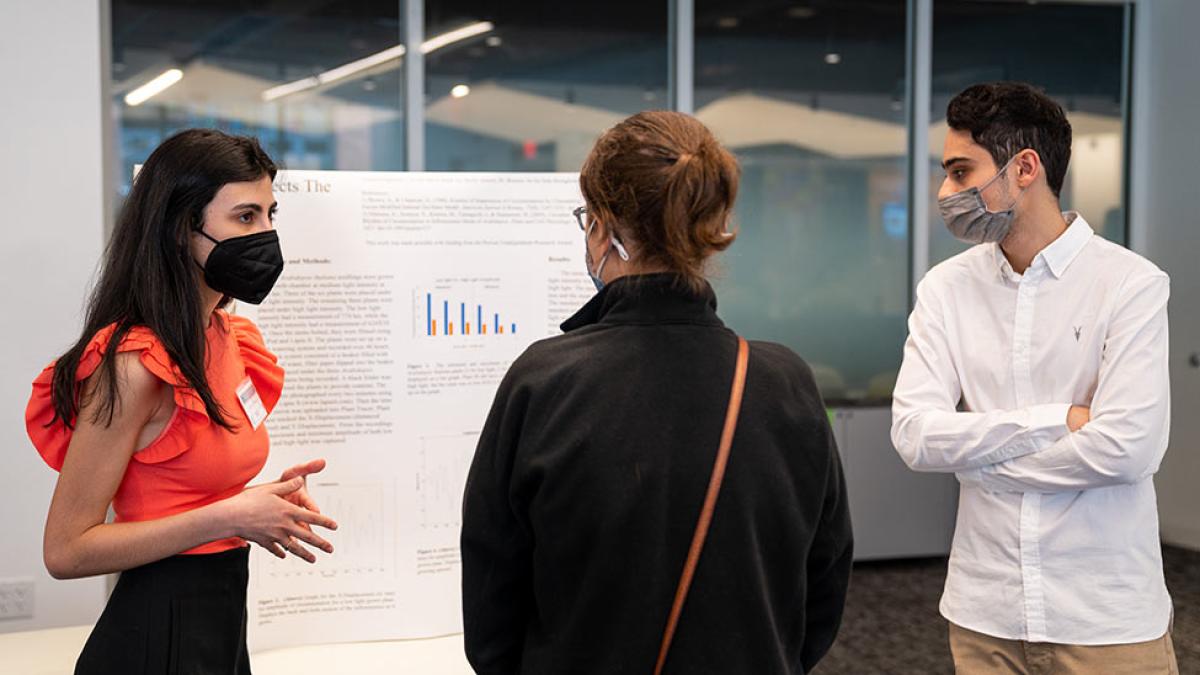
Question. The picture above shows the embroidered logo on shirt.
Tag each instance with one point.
(1078, 330)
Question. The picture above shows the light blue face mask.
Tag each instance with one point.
(968, 218)
(613, 243)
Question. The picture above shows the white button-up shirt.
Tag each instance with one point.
(1057, 532)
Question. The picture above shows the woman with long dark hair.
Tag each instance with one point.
(158, 410)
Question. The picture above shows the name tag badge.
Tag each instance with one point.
(253, 406)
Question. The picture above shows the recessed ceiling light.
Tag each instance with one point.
(493, 41)
(460, 90)
(833, 58)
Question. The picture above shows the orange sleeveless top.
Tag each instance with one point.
(194, 461)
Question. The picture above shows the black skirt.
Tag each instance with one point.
(184, 615)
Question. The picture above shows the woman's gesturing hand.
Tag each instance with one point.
(301, 497)
(269, 516)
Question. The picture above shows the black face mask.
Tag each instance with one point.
(244, 267)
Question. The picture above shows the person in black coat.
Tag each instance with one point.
(592, 467)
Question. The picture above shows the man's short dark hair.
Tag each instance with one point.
(1008, 117)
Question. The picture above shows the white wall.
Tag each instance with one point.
(1166, 151)
(52, 192)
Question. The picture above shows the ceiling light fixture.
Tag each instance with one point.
(457, 35)
(379, 58)
(153, 87)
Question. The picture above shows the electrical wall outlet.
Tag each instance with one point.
(16, 598)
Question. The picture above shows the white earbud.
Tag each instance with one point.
(620, 249)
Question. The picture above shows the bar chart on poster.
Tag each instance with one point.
(404, 300)
(464, 306)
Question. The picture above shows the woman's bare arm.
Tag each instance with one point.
(79, 543)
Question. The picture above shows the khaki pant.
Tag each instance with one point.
(979, 654)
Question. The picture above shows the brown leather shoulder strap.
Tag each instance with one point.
(710, 501)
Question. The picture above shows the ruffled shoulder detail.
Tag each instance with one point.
(52, 439)
(262, 366)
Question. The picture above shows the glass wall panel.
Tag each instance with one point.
(1071, 50)
(809, 95)
(811, 98)
(292, 74)
(537, 82)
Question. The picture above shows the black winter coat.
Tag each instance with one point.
(589, 476)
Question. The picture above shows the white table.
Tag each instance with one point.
(53, 652)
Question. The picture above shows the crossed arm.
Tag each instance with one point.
(1119, 438)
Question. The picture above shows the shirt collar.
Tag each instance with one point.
(1061, 252)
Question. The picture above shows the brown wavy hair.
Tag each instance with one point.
(662, 182)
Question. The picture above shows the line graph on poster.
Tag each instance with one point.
(363, 544)
(443, 463)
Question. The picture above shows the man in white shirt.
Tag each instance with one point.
(1036, 371)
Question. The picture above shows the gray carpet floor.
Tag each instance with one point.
(892, 625)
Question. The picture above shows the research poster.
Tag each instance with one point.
(404, 299)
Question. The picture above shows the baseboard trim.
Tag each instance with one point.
(1184, 535)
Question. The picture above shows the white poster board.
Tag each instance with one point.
(405, 298)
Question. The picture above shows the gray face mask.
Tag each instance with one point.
(968, 218)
